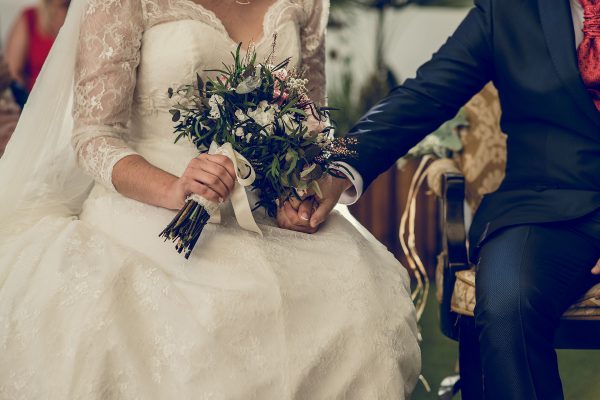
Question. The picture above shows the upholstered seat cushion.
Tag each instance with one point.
(463, 299)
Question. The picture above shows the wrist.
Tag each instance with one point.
(168, 192)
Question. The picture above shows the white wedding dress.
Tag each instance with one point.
(98, 307)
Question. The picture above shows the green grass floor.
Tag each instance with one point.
(580, 370)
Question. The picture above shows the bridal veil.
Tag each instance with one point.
(38, 172)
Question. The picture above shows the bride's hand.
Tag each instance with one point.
(210, 176)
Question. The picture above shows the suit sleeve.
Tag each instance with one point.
(460, 69)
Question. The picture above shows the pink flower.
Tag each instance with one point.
(281, 74)
(280, 97)
(223, 80)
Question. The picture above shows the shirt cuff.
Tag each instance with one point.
(351, 195)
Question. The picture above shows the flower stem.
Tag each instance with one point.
(187, 226)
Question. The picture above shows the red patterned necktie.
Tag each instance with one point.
(588, 53)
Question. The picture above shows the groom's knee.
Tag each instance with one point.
(498, 317)
(509, 313)
(507, 301)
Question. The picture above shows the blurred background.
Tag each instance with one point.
(9, 12)
(373, 45)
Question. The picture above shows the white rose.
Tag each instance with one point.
(239, 114)
(263, 117)
(214, 102)
(214, 113)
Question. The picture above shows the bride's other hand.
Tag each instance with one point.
(210, 176)
(295, 215)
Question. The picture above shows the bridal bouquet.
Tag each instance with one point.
(260, 116)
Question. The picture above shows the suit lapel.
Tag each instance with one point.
(557, 24)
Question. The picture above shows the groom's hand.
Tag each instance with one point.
(596, 271)
(295, 215)
(331, 190)
(308, 215)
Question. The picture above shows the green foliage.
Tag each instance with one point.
(264, 111)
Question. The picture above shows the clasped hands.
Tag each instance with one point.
(213, 177)
(308, 214)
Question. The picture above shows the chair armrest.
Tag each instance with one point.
(454, 234)
(453, 244)
(436, 171)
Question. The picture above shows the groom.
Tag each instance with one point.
(535, 239)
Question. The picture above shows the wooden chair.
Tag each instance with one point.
(460, 184)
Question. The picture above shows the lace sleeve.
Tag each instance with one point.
(313, 48)
(105, 78)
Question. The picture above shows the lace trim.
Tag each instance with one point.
(109, 55)
(97, 155)
(160, 11)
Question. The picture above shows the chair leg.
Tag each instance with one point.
(471, 376)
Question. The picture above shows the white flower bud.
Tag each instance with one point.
(239, 114)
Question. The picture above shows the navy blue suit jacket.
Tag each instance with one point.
(527, 48)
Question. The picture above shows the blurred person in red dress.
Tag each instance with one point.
(31, 39)
(5, 77)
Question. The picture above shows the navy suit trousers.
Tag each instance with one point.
(528, 275)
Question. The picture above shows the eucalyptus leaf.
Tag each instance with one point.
(176, 115)
(314, 185)
(200, 83)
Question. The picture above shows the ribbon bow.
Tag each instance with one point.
(246, 175)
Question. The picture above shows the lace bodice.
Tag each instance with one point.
(132, 51)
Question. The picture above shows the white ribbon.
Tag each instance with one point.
(239, 198)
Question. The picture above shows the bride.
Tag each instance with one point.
(94, 305)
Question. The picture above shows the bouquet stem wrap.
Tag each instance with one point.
(187, 226)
